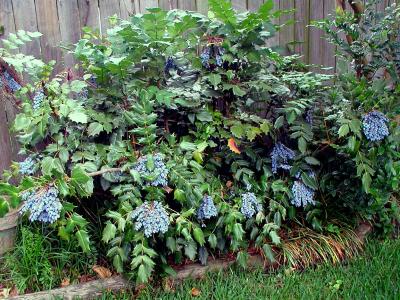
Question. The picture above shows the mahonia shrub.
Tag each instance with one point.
(187, 136)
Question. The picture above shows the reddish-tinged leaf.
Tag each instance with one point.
(232, 145)
(102, 272)
(195, 292)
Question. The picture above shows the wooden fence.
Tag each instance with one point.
(62, 20)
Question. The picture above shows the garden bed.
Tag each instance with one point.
(95, 288)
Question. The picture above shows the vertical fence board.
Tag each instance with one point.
(254, 5)
(239, 5)
(5, 145)
(315, 35)
(328, 49)
(170, 4)
(274, 41)
(187, 4)
(302, 19)
(26, 22)
(144, 4)
(47, 20)
(202, 6)
(70, 28)
(126, 7)
(89, 13)
(108, 8)
(287, 33)
(7, 16)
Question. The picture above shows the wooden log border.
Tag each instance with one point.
(93, 289)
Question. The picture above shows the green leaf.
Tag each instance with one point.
(78, 116)
(214, 79)
(179, 195)
(238, 231)
(94, 129)
(190, 250)
(274, 237)
(309, 181)
(77, 86)
(268, 253)
(237, 130)
(343, 130)
(212, 240)
(237, 91)
(47, 165)
(199, 236)
(79, 175)
(109, 232)
(366, 181)
(83, 240)
(279, 122)
(4, 207)
(312, 161)
(302, 145)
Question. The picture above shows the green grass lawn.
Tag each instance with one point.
(374, 275)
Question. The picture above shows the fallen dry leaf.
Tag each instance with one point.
(229, 184)
(102, 272)
(13, 292)
(65, 282)
(232, 145)
(4, 293)
(169, 285)
(195, 292)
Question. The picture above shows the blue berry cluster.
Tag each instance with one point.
(207, 209)
(170, 65)
(28, 166)
(302, 194)
(151, 218)
(375, 126)
(158, 176)
(38, 99)
(309, 116)
(10, 82)
(43, 205)
(250, 205)
(215, 52)
(280, 156)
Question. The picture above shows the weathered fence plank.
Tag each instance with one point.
(187, 4)
(70, 28)
(286, 35)
(25, 18)
(7, 17)
(253, 5)
(302, 18)
(144, 4)
(47, 22)
(108, 8)
(89, 13)
(6, 150)
(315, 35)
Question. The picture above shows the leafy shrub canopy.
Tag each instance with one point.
(188, 135)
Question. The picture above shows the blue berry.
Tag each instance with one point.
(10, 82)
(375, 126)
(302, 194)
(155, 177)
(310, 116)
(218, 56)
(170, 64)
(207, 209)
(280, 156)
(250, 205)
(43, 204)
(38, 99)
(28, 166)
(151, 218)
(205, 57)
